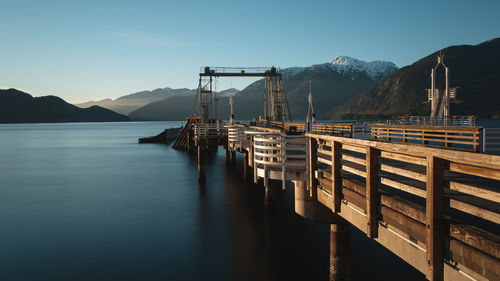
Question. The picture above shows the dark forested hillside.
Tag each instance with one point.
(20, 107)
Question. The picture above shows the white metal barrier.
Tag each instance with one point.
(237, 138)
(278, 156)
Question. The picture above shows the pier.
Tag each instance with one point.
(424, 192)
(435, 208)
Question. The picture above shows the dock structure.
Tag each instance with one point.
(421, 190)
(437, 208)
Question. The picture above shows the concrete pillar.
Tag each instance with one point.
(201, 165)
(340, 251)
(267, 195)
(307, 206)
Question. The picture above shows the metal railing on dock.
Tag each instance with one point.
(278, 156)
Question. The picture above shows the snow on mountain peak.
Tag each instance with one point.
(346, 65)
(344, 60)
(374, 69)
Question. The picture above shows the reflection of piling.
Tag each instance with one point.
(201, 164)
(227, 154)
(245, 165)
(340, 251)
(233, 156)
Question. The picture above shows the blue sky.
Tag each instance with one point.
(90, 50)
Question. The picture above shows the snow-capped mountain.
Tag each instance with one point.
(346, 65)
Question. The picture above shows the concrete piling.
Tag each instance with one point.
(340, 251)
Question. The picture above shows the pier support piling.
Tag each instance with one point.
(308, 207)
(267, 196)
(340, 251)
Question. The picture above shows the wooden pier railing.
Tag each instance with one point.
(437, 209)
(466, 138)
(339, 129)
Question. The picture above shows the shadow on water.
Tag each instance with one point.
(277, 244)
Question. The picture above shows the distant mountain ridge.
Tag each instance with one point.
(131, 102)
(333, 83)
(474, 69)
(19, 107)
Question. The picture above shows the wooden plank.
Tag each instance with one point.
(405, 207)
(354, 148)
(473, 259)
(324, 161)
(353, 159)
(372, 197)
(324, 151)
(325, 184)
(354, 171)
(434, 214)
(356, 199)
(482, 240)
(475, 211)
(336, 176)
(403, 187)
(354, 185)
(476, 191)
(403, 172)
(412, 228)
(404, 158)
(326, 173)
(429, 128)
(475, 171)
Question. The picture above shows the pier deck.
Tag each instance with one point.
(437, 209)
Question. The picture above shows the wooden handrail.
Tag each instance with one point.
(429, 173)
(445, 136)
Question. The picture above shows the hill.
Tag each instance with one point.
(333, 83)
(129, 103)
(20, 107)
(472, 68)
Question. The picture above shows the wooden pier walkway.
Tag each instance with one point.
(436, 208)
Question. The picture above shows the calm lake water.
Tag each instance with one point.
(85, 201)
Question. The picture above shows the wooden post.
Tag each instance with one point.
(434, 216)
(313, 157)
(475, 145)
(340, 251)
(372, 196)
(336, 177)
